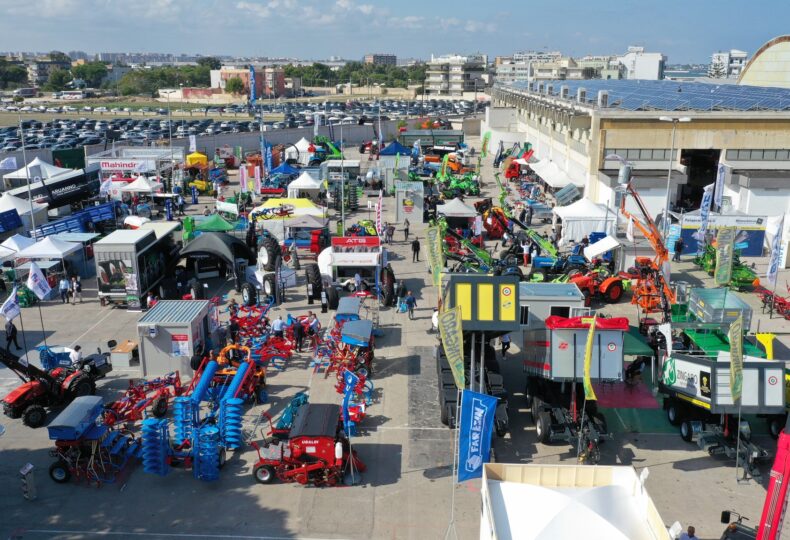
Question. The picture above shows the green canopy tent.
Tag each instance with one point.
(214, 223)
(634, 343)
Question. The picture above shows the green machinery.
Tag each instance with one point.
(742, 275)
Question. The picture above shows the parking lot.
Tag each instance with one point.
(406, 491)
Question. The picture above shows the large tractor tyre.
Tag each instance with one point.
(587, 297)
(159, 407)
(249, 294)
(59, 472)
(674, 412)
(614, 292)
(313, 275)
(264, 474)
(34, 416)
(543, 427)
(686, 432)
(81, 387)
(269, 285)
(268, 254)
(332, 297)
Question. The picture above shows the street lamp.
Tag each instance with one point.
(675, 121)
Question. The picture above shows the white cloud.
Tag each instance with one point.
(344, 4)
(367, 9)
(258, 10)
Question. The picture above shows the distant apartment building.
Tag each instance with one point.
(38, 70)
(639, 64)
(381, 59)
(452, 75)
(269, 81)
(518, 67)
(727, 65)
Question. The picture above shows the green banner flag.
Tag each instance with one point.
(724, 256)
(486, 140)
(735, 336)
(435, 253)
(453, 343)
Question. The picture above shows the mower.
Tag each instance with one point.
(742, 275)
(42, 389)
(316, 452)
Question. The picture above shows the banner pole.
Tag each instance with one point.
(738, 445)
(456, 434)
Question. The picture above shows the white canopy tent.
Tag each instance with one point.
(17, 243)
(550, 172)
(142, 185)
(38, 168)
(299, 151)
(49, 248)
(305, 183)
(582, 218)
(607, 243)
(456, 208)
(37, 215)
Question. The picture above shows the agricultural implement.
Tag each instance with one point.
(142, 394)
(742, 276)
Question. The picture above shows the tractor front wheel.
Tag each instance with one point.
(59, 472)
(263, 474)
(34, 416)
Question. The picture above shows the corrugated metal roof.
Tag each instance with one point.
(124, 236)
(558, 290)
(173, 311)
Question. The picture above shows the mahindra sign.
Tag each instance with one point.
(136, 165)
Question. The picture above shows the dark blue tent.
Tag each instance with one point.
(394, 148)
(286, 169)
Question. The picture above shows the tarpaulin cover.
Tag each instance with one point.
(555, 322)
(634, 343)
(357, 332)
(349, 305)
(395, 148)
(284, 168)
(214, 223)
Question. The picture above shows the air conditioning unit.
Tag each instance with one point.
(603, 99)
(581, 95)
(564, 90)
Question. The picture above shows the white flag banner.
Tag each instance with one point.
(666, 330)
(192, 143)
(379, 208)
(629, 232)
(257, 180)
(776, 251)
(105, 187)
(8, 164)
(243, 178)
(37, 283)
(718, 190)
(10, 308)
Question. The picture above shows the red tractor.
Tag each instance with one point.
(42, 389)
(316, 451)
(599, 283)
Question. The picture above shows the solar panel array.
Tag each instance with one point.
(672, 95)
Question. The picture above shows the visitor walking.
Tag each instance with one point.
(505, 340)
(406, 230)
(679, 245)
(63, 287)
(415, 250)
(76, 290)
(411, 303)
(298, 335)
(278, 327)
(10, 335)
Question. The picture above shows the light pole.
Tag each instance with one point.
(675, 121)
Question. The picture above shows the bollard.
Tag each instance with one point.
(310, 294)
(324, 302)
(28, 482)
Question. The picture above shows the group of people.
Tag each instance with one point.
(70, 288)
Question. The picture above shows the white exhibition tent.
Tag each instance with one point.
(550, 172)
(305, 182)
(49, 248)
(37, 215)
(582, 218)
(456, 208)
(303, 147)
(38, 168)
(142, 185)
(17, 243)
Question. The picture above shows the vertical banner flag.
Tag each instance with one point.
(486, 140)
(453, 343)
(252, 85)
(257, 180)
(735, 336)
(193, 143)
(433, 244)
(666, 331)
(37, 283)
(8, 164)
(169, 209)
(724, 256)
(704, 212)
(776, 251)
(629, 232)
(194, 195)
(589, 393)
(316, 123)
(718, 191)
(269, 159)
(477, 423)
(243, 179)
(379, 208)
(10, 308)
(351, 380)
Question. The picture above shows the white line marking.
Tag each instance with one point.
(109, 312)
(169, 535)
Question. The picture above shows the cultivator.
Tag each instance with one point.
(141, 394)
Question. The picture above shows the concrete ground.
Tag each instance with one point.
(406, 491)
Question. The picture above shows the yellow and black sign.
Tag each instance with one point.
(487, 303)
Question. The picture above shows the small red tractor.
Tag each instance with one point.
(42, 389)
(140, 394)
(598, 283)
(316, 451)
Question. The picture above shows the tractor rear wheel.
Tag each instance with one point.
(313, 275)
(332, 297)
(263, 474)
(34, 416)
(81, 387)
(159, 407)
(268, 253)
(614, 292)
(59, 472)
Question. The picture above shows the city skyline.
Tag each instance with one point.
(685, 32)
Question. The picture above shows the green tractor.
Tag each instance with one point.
(742, 275)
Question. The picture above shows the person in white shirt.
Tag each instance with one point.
(357, 281)
(278, 327)
(75, 355)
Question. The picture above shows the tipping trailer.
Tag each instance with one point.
(554, 363)
(699, 401)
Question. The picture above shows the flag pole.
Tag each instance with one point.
(456, 435)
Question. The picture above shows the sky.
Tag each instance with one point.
(685, 30)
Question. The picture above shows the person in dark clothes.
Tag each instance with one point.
(299, 335)
(505, 340)
(400, 292)
(530, 212)
(679, 245)
(411, 303)
(10, 336)
(406, 230)
(522, 215)
(233, 328)
(415, 250)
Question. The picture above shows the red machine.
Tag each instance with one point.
(140, 394)
(316, 452)
(598, 283)
(253, 382)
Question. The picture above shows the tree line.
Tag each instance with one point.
(359, 74)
